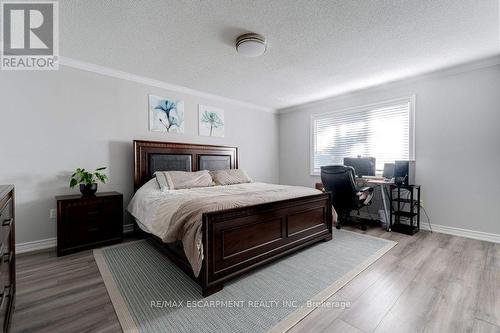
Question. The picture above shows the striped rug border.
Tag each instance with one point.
(122, 312)
(295, 317)
(129, 326)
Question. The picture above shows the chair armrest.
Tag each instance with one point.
(365, 189)
(365, 195)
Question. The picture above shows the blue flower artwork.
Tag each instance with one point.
(210, 121)
(166, 115)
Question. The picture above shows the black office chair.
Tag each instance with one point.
(346, 195)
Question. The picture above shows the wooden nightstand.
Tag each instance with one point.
(87, 222)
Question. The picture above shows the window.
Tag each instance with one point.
(383, 130)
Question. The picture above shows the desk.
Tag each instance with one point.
(383, 185)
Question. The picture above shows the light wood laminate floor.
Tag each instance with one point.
(430, 282)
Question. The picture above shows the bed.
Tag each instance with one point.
(235, 240)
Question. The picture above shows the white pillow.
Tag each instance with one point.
(230, 177)
(150, 185)
(175, 180)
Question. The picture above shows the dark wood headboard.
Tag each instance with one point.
(151, 156)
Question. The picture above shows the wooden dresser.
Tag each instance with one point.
(7, 256)
(87, 222)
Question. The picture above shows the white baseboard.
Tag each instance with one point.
(49, 243)
(38, 245)
(128, 228)
(484, 236)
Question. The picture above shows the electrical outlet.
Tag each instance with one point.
(422, 203)
(52, 213)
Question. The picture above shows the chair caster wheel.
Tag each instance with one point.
(363, 227)
(337, 227)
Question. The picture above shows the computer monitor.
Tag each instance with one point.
(388, 170)
(363, 166)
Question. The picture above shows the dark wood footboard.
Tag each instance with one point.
(238, 240)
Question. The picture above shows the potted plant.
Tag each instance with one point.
(87, 180)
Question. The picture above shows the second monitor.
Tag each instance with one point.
(363, 166)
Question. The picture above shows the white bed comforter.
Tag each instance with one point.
(155, 210)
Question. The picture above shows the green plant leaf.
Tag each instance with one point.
(81, 176)
(73, 182)
(101, 177)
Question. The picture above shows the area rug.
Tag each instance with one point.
(150, 294)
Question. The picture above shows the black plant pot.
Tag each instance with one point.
(88, 190)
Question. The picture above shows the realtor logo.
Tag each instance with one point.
(30, 35)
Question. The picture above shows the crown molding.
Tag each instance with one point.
(118, 74)
(452, 70)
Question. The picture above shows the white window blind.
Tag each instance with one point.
(382, 131)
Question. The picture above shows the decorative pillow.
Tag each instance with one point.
(175, 180)
(230, 177)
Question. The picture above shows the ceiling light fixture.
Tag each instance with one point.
(251, 45)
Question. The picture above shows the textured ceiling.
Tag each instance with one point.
(315, 48)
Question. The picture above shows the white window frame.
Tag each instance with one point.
(410, 99)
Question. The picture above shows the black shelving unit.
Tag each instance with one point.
(405, 209)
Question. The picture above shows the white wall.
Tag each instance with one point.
(53, 122)
(457, 143)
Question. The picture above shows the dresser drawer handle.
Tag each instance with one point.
(93, 212)
(93, 229)
(8, 222)
(7, 257)
(4, 295)
(2, 255)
